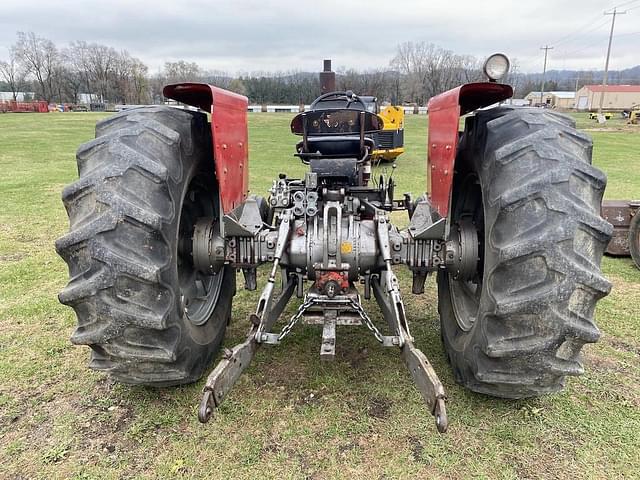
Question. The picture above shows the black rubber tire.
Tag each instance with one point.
(122, 247)
(634, 238)
(537, 200)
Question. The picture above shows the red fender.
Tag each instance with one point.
(444, 119)
(228, 132)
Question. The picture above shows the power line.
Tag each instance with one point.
(594, 23)
(586, 32)
(581, 49)
(626, 3)
(573, 36)
(578, 31)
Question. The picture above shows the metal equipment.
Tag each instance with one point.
(389, 140)
(624, 215)
(161, 217)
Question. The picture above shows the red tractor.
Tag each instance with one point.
(160, 220)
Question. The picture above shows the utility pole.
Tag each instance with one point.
(546, 49)
(606, 63)
(575, 94)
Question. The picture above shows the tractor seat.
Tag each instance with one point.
(335, 146)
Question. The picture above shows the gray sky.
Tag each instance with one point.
(250, 35)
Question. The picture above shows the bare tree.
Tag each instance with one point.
(78, 55)
(70, 84)
(182, 71)
(139, 88)
(12, 73)
(121, 76)
(102, 61)
(237, 85)
(41, 58)
(428, 70)
(218, 78)
(378, 82)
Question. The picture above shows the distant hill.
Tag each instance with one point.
(566, 79)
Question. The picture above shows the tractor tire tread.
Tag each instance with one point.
(118, 249)
(543, 282)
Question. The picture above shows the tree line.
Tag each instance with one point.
(418, 71)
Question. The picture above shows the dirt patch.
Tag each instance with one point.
(12, 257)
(355, 357)
(24, 239)
(623, 287)
(622, 345)
(346, 448)
(310, 398)
(603, 364)
(270, 448)
(379, 407)
(417, 449)
(279, 374)
(610, 129)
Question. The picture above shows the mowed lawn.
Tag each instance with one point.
(289, 416)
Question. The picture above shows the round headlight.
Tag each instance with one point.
(496, 66)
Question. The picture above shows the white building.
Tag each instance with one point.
(555, 99)
(8, 96)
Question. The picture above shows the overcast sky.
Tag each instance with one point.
(248, 35)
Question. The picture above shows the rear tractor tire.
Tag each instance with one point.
(515, 317)
(148, 315)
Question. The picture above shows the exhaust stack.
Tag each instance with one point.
(327, 78)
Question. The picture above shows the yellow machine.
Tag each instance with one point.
(634, 115)
(606, 115)
(389, 141)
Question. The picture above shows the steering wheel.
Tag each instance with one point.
(348, 95)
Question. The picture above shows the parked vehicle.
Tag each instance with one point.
(161, 217)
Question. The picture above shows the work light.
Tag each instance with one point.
(496, 66)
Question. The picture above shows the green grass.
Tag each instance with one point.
(289, 416)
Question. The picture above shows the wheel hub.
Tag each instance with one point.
(207, 247)
(200, 276)
(462, 250)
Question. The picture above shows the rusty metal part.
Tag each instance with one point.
(332, 282)
(619, 213)
(327, 78)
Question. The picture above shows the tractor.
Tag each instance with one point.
(161, 220)
(389, 141)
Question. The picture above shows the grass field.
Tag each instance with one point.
(289, 416)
